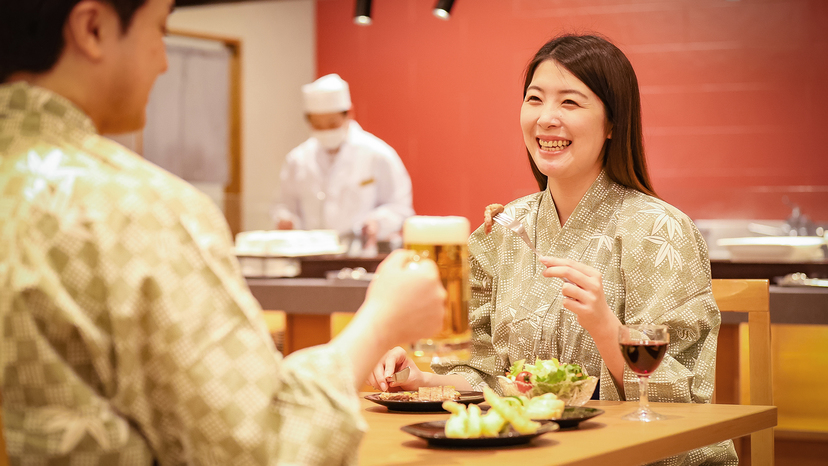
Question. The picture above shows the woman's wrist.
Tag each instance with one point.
(606, 340)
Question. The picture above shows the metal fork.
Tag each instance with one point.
(517, 227)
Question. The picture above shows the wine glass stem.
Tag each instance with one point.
(643, 402)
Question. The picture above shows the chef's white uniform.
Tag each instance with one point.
(364, 180)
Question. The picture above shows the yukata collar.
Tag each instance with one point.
(43, 109)
(590, 211)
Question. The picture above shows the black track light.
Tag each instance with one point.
(443, 9)
(362, 15)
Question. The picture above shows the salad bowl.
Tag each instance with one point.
(569, 382)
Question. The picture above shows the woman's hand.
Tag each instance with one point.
(583, 291)
(393, 361)
(488, 215)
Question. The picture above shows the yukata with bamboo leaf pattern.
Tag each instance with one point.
(655, 269)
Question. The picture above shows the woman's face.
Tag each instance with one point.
(564, 125)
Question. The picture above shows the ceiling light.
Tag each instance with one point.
(443, 9)
(362, 15)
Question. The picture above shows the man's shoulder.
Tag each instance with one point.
(303, 151)
(368, 142)
(100, 172)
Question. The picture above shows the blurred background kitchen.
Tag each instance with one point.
(735, 109)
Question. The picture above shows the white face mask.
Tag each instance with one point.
(331, 139)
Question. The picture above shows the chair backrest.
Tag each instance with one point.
(4, 458)
(753, 297)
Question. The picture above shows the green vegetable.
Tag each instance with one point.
(550, 376)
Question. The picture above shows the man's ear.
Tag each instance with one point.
(89, 25)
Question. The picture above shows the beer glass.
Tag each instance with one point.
(444, 240)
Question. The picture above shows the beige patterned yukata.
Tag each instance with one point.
(128, 332)
(655, 269)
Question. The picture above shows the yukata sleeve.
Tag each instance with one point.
(666, 273)
(198, 371)
(483, 367)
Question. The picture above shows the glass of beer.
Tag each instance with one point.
(444, 240)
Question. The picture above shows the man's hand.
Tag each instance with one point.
(407, 299)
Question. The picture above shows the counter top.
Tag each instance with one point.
(317, 266)
(788, 305)
(791, 305)
(318, 296)
(766, 270)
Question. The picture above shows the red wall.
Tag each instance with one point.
(735, 95)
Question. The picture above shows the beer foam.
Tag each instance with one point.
(422, 229)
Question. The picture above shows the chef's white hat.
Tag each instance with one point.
(327, 94)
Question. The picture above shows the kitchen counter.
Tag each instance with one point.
(792, 305)
(309, 300)
(319, 296)
(766, 270)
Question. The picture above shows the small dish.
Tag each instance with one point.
(466, 398)
(435, 434)
(574, 415)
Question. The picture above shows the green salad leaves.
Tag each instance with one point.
(549, 376)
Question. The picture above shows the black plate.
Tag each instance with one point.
(573, 415)
(424, 406)
(434, 433)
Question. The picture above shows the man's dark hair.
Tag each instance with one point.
(31, 31)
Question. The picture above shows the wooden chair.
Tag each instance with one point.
(4, 457)
(753, 297)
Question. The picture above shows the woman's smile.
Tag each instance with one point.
(559, 109)
(552, 145)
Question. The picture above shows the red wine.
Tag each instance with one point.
(643, 357)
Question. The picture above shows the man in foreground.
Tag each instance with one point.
(128, 333)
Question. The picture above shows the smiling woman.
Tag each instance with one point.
(613, 253)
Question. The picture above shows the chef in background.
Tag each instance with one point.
(342, 178)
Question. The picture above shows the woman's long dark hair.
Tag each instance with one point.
(606, 71)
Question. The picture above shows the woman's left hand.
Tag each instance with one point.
(583, 291)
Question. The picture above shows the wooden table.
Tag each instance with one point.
(605, 439)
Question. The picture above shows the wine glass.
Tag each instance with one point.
(643, 347)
